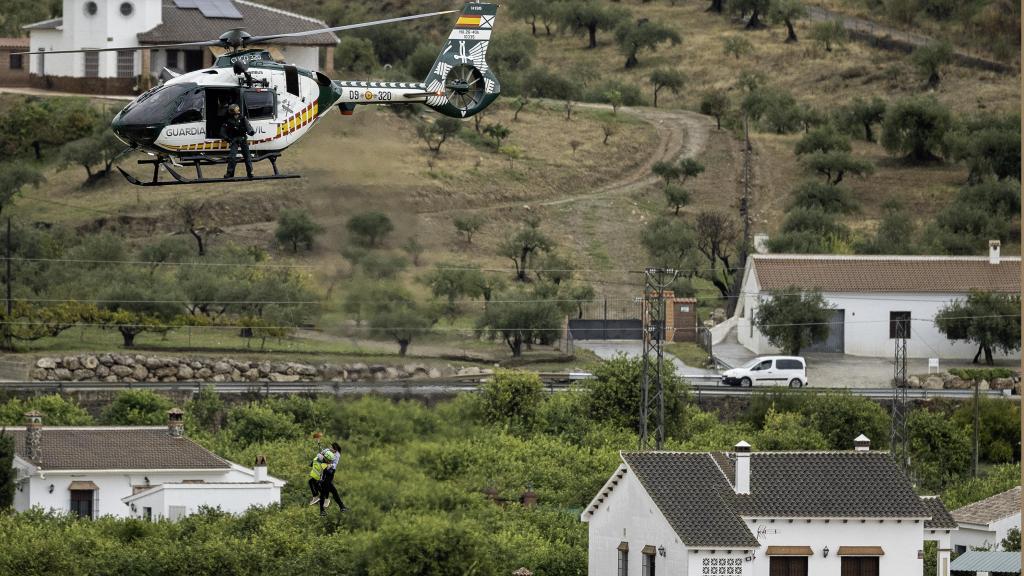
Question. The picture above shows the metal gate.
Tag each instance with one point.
(608, 320)
(835, 342)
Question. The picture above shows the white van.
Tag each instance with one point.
(769, 371)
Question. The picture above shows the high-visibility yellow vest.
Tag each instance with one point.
(318, 469)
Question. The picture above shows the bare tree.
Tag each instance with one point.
(609, 131)
(191, 214)
(718, 237)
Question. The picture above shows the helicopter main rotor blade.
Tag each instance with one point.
(146, 47)
(257, 39)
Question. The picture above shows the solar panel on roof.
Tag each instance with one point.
(185, 3)
(218, 9)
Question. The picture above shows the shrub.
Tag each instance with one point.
(256, 423)
(512, 397)
(136, 408)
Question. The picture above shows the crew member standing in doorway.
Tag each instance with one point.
(236, 130)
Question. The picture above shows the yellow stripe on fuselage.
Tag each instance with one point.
(468, 21)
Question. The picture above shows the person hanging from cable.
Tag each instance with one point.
(320, 463)
(236, 130)
(327, 488)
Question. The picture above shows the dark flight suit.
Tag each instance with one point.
(234, 131)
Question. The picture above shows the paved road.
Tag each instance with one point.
(606, 349)
(444, 387)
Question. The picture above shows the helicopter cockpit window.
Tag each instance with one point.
(190, 108)
(259, 104)
(158, 105)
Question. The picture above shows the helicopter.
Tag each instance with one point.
(178, 122)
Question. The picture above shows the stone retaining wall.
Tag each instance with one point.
(947, 381)
(139, 368)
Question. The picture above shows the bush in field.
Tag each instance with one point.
(256, 423)
(137, 407)
(512, 397)
(56, 411)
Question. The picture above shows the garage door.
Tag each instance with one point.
(606, 329)
(836, 340)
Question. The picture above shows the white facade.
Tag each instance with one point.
(50, 490)
(984, 536)
(629, 515)
(866, 323)
(176, 500)
(109, 28)
(625, 523)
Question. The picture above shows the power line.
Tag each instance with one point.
(159, 263)
(441, 329)
(629, 300)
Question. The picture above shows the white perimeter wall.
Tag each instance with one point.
(232, 498)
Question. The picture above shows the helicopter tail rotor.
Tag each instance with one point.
(460, 81)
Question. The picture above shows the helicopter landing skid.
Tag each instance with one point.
(198, 162)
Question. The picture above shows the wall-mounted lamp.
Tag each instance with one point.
(51, 488)
(146, 478)
(661, 551)
(824, 552)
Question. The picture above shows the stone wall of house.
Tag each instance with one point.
(141, 368)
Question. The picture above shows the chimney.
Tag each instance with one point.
(993, 251)
(743, 468)
(260, 469)
(862, 443)
(528, 498)
(175, 422)
(33, 435)
(761, 243)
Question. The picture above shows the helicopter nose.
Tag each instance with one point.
(136, 134)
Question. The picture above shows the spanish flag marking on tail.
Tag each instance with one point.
(468, 22)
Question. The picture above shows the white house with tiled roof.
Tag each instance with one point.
(133, 23)
(146, 472)
(762, 514)
(985, 523)
(869, 294)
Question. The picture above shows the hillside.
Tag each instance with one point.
(594, 201)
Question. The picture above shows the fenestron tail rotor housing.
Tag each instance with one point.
(464, 87)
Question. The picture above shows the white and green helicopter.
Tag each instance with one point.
(178, 122)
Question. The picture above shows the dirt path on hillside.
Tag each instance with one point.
(681, 134)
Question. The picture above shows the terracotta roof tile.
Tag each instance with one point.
(832, 273)
(990, 509)
(117, 448)
(828, 485)
(696, 496)
(941, 518)
(16, 43)
(189, 25)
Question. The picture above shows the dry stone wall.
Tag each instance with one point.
(140, 368)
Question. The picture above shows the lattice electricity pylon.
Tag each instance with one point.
(652, 402)
(899, 441)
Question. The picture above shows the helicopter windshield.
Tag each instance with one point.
(161, 105)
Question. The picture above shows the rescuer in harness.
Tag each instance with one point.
(235, 130)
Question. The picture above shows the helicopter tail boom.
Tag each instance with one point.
(460, 83)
